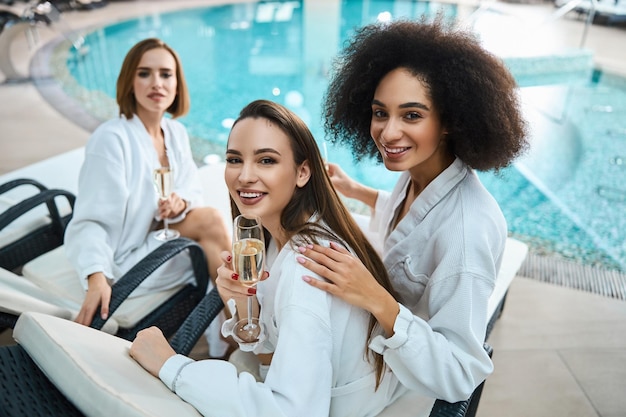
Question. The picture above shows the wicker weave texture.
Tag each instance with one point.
(26, 391)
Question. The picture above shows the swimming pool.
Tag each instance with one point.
(565, 197)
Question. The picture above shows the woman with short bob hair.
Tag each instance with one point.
(118, 210)
(126, 98)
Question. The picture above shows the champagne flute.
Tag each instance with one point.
(248, 263)
(324, 153)
(163, 182)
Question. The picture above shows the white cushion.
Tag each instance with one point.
(53, 272)
(94, 370)
(18, 295)
(514, 254)
(29, 221)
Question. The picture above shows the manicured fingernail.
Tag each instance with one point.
(229, 258)
(251, 291)
(301, 249)
(267, 274)
(309, 246)
(306, 278)
(235, 276)
(300, 259)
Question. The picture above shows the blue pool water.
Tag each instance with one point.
(566, 197)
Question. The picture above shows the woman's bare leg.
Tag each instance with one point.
(208, 227)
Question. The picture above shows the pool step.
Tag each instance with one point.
(570, 65)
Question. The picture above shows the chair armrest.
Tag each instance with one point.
(144, 268)
(9, 185)
(44, 197)
(197, 322)
(42, 237)
(465, 408)
(443, 408)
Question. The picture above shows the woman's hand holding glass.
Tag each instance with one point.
(171, 207)
(163, 181)
(248, 261)
(228, 284)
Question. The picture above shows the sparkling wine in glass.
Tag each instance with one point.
(163, 182)
(248, 262)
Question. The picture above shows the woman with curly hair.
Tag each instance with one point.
(431, 103)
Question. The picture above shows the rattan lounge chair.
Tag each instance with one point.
(51, 288)
(26, 233)
(27, 391)
(165, 309)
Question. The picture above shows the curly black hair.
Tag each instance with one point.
(474, 93)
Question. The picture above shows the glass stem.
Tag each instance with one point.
(249, 310)
(166, 226)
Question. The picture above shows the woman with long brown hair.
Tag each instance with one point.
(320, 364)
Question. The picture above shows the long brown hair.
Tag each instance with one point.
(125, 95)
(319, 197)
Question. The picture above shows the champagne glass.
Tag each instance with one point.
(248, 263)
(324, 153)
(163, 182)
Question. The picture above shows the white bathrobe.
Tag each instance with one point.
(318, 368)
(443, 258)
(116, 206)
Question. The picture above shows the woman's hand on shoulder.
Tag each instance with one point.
(151, 350)
(347, 277)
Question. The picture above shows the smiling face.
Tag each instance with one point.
(261, 174)
(405, 126)
(154, 85)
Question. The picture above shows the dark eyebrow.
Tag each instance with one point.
(160, 69)
(404, 105)
(257, 152)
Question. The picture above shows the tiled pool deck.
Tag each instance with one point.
(558, 351)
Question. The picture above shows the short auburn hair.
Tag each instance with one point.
(125, 95)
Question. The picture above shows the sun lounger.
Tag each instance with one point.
(90, 368)
(59, 292)
(31, 224)
(86, 372)
(32, 229)
(608, 12)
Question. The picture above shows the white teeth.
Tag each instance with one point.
(395, 150)
(250, 195)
